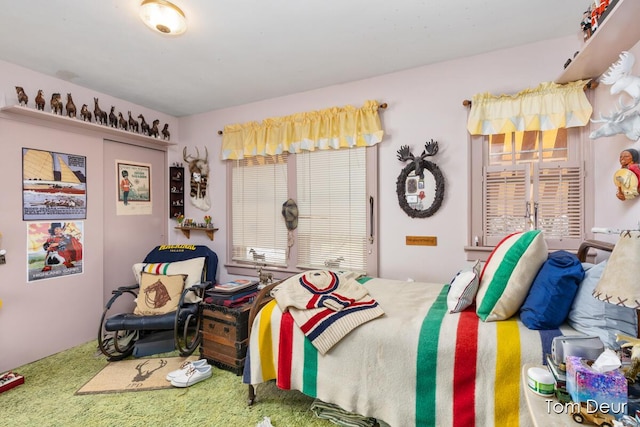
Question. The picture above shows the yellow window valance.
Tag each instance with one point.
(548, 106)
(336, 127)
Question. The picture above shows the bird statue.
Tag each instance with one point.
(634, 369)
(430, 149)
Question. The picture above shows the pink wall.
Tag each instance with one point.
(43, 317)
(424, 103)
(39, 319)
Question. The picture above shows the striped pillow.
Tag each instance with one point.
(508, 274)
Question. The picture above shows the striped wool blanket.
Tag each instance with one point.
(418, 365)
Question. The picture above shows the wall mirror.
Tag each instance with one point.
(420, 185)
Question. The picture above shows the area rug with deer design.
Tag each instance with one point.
(134, 375)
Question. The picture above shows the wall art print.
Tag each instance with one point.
(133, 188)
(54, 249)
(54, 185)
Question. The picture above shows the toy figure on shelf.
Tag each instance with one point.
(154, 128)
(56, 104)
(122, 123)
(23, 99)
(113, 119)
(100, 115)
(144, 126)
(71, 107)
(133, 124)
(85, 113)
(40, 100)
(165, 132)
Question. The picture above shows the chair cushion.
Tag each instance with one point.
(159, 294)
(192, 268)
(508, 274)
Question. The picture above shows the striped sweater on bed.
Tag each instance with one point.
(326, 306)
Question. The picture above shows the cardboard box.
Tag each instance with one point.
(608, 390)
(9, 380)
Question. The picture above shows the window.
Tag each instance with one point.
(334, 191)
(530, 180)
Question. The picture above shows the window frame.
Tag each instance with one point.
(281, 272)
(478, 145)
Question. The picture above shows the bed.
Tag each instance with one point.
(417, 365)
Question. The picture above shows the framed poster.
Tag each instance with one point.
(54, 249)
(133, 188)
(54, 185)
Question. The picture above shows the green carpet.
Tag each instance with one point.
(47, 399)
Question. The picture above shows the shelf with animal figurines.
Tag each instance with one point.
(45, 116)
(618, 32)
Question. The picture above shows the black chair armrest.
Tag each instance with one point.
(121, 289)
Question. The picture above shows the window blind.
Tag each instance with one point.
(258, 191)
(332, 204)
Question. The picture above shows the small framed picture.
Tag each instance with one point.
(412, 186)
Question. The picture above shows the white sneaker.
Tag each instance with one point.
(185, 367)
(194, 375)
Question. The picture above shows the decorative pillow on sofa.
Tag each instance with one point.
(159, 294)
(508, 274)
(463, 288)
(552, 292)
(591, 316)
(192, 268)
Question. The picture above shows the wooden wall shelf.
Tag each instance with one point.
(79, 123)
(187, 231)
(619, 31)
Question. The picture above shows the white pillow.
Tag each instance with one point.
(463, 288)
(191, 267)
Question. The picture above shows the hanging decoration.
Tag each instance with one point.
(199, 177)
(626, 118)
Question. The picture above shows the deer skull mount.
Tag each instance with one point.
(199, 176)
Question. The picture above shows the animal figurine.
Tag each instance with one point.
(154, 128)
(619, 122)
(40, 100)
(56, 104)
(100, 115)
(85, 113)
(113, 119)
(133, 124)
(619, 77)
(122, 123)
(144, 126)
(632, 373)
(23, 99)
(71, 107)
(199, 173)
(165, 132)
(430, 149)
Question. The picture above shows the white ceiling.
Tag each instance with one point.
(240, 51)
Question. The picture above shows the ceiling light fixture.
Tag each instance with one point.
(163, 16)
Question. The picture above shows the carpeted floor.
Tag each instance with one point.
(47, 398)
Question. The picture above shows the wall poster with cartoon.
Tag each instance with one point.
(133, 188)
(54, 249)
